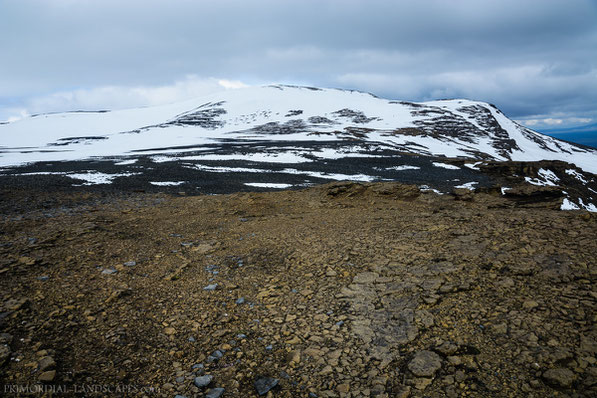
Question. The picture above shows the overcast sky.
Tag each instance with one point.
(534, 59)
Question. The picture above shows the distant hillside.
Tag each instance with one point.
(585, 135)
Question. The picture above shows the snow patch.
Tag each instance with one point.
(126, 162)
(589, 207)
(473, 166)
(468, 185)
(95, 177)
(215, 169)
(332, 176)
(446, 166)
(284, 157)
(166, 183)
(427, 188)
(268, 185)
(576, 175)
(548, 175)
(568, 205)
(546, 178)
(403, 167)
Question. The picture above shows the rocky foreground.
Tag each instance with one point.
(342, 290)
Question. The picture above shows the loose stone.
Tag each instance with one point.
(264, 384)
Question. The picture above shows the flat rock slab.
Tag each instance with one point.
(215, 393)
(425, 364)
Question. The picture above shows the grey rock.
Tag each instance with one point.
(191, 339)
(43, 278)
(203, 381)
(109, 271)
(215, 356)
(425, 364)
(130, 263)
(46, 363)
(559, 377)
(180, 396)
(264, 384)
(211, 287)
(447, 348)
(240, 300)
(215, 393)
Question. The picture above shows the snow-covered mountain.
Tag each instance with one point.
(452, 128)
(287, 130)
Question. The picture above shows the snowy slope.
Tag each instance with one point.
(283, 114)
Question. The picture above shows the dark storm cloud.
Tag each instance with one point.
(532, 58)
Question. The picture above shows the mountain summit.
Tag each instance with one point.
(265, 130)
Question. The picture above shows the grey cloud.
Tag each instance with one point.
(533, 57)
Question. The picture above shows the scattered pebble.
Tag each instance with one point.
(109, 271)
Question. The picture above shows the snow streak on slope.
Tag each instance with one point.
(284, 114)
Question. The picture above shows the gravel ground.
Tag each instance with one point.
(340, 290)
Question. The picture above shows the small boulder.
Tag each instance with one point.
(425, 364)
(203, 381)
(559, 377)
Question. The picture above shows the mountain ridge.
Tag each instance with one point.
(461, 127)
